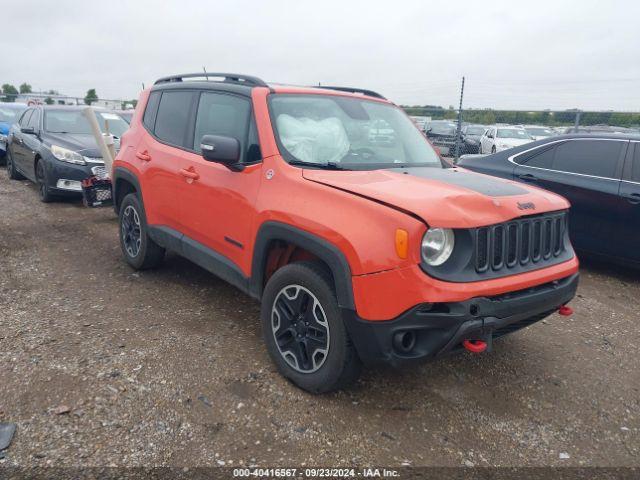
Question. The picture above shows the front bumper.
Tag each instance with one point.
(60, 171)
(440, 328)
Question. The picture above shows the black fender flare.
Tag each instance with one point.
(324, 250)
(121, 173)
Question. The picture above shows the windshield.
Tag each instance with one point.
(10, 115)
(349, 133)
(475, 131)
(442, 128)
(73, 121)
(539, 131)
(513, 133)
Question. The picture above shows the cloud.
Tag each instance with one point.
(528, 55)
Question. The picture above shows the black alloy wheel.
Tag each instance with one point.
(300, 328)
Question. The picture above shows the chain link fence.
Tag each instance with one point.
(457, 132)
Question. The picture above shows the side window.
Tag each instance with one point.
(589, 157)
(220, 114)
(172, 120)
(24, 120)
(635, 172)
(34, 121)
(150, 112)
(539, 159)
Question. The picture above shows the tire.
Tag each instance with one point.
(333, 363)
(42, 182)
(11, 168)
(493, 149)
(139, 250)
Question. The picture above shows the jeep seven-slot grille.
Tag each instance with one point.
(524, 241)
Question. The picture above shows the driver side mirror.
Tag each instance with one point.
(222, 149)
(28, 130)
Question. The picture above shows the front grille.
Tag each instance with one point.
(521, 242)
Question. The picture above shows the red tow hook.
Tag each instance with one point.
(565, 310)
(475, 346)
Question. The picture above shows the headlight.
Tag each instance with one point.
(67, 155)
(437, 245)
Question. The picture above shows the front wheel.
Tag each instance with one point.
(43, 184)
(304, 331)
(138, 248)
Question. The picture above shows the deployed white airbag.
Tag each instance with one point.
(313, 141)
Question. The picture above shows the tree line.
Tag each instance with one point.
(547, 117)
(10, 92)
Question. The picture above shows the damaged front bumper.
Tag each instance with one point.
(429, 331)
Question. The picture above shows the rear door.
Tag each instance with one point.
(587, 172)
(628, 233)
(161, 155)
(17, 142)
(31, 145)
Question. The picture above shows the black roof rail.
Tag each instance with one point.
(228, 77)
(369, 93)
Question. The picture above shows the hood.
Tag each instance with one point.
(451, 197)
(84, 144)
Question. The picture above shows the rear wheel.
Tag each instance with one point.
(304, 331)
(139, 250)
(11, 168)
(41, 181)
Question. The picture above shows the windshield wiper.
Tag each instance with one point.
(323, 166)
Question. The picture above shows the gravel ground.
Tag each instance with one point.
(104, 366)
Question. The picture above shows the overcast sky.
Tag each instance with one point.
(525, 55)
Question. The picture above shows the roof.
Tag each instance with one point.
(243, 84)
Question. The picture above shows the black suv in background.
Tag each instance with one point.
(54, 147)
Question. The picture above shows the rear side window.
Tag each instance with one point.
(220, 114)
(150, 112)
(589, 157)
(540, 159)
(172, 120)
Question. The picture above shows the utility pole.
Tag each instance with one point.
(459, 123)
(577, 122)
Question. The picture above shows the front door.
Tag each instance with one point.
(218, 204)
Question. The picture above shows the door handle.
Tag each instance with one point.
(144, 156)
(527, 177)
(633, 198)
(189, 174)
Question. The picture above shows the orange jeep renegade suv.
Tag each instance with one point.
(330, 207)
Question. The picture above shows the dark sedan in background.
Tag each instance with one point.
(54, 147)
(442, 134)
(470, 138)
(599, 175)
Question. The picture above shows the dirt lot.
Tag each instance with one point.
(168, 367)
